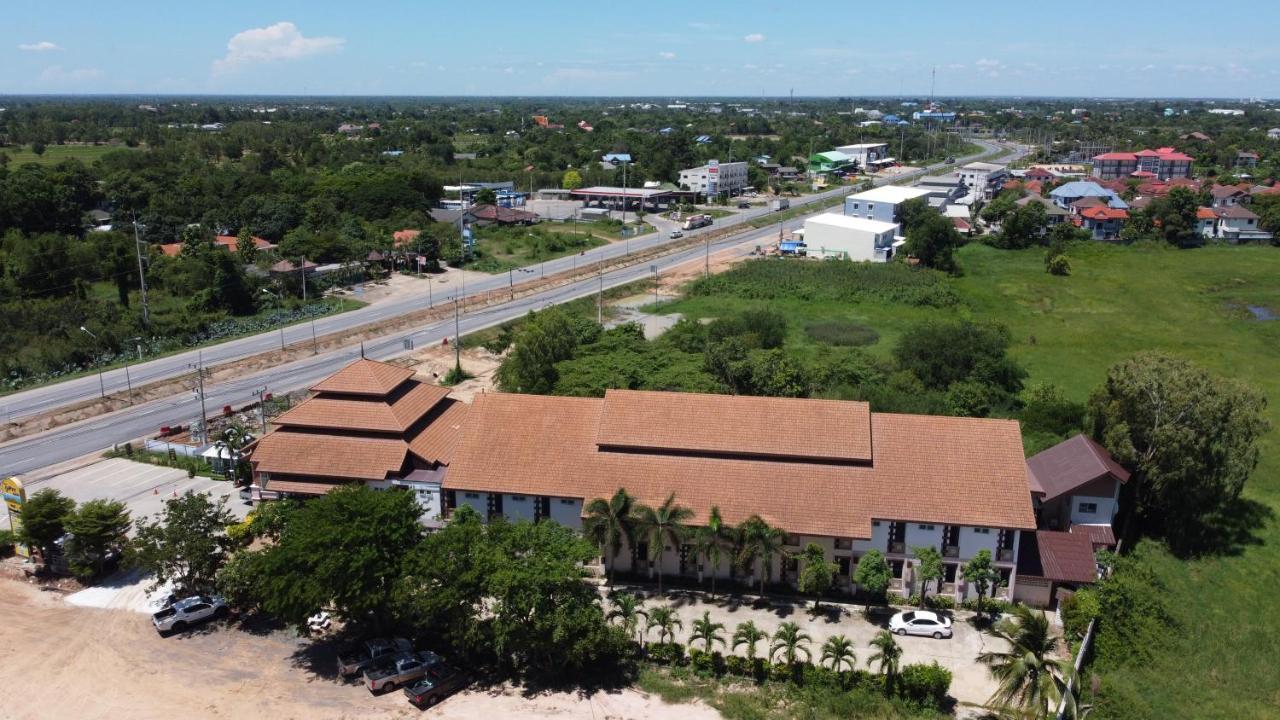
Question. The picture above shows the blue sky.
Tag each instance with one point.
(554, 47)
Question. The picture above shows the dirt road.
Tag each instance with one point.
(67, 663)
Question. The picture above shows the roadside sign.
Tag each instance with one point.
(15, 496)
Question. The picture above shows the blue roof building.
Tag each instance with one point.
(616, 158)
(1066, 194)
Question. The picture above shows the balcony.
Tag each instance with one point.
(950, 551)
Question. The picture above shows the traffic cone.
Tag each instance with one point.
(155, 491)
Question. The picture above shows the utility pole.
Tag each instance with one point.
(142, 274)
(707, 269)
(600, 297)
(204, 415)
(262, 407)
(457, 337)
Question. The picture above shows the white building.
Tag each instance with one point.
(715, 178)
(869, 156)
(850, 238)
(983, 180)
(882, 203)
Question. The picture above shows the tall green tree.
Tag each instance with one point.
(928, 569)
(933, 241)
(791, 642)
(706, 632)
(628, 610)
(546, 338)
(610, 524)
(666, 523)
(1189, 437)
(761, 543)
(888, 656)
(665, 621)
(818, 574)
(749, 635)
(872, 576)
(1029, 679)
(341, 551)
(44, 518)
(572, 180)
(187, 545)
(838, 653)
(246, 250)
(97, 528)
(711, 540)
(983, 574)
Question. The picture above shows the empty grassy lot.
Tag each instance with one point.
(54, 154)
(1068, 331)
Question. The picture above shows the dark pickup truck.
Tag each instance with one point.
(439, 682)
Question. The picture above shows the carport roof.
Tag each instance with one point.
(1057, 556)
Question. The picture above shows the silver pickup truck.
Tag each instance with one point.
(356, 660)
(404, 669)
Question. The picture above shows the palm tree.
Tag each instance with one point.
(837, 651)
(232, 442)
(888, 654)
(791, 641)
(762, 543)
(706, 631)
(609, 523)
(628, 609)
(1029, 680)
(663, 618)
(748, 634)
(709, 542)
(660, 525)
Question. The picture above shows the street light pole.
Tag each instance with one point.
(142, 274)
(457, 337)
(102, 386)
(279, 308)
(204, 414)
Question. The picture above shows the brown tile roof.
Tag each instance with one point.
(1057, 556)
(300, 488)
(366, 412)
(364, 377)
(927, 469)
(1098, 534)
(736, 425)
(439, 439)
(334, 456)
(1070, 464)
(171, 249)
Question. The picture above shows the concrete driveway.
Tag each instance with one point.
(970, 681)
(140, 486)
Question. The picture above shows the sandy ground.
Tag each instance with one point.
(435, 362)
(398, 285)
(69, 663)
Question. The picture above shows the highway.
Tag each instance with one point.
(87, 436)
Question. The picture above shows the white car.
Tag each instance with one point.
(921, 622)
(677, 234)
(182, 614)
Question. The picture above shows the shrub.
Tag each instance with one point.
(740, 666)
(925, 684)
(1079, 610)
(989, 605)
(7, 541)
(667, 653)
(844, 333)
(933, 602)
(1058, 265)
(831, 281)
(706, 664)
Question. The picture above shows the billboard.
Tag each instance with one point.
(15, 496)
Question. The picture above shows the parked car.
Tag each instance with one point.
(677, 234)
(439, 682)
(744, 205)
(921, 622)
(402, 669)
(356, 660)
(182, 614)
(949, 160)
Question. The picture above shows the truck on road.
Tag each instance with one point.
(403, 669)
(778, 204)
(357, 659)
(693, 222)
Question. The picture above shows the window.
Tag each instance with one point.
(566, 501)
(875, 523)
(925, 527)
(793, 540)
(1088, 508)
(518, 498)
(471, 495)
(843, 544)
(982, 531)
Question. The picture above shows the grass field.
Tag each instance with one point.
(1068, 331)
(600, 230)
(54, 154)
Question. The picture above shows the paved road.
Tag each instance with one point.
(71, 441)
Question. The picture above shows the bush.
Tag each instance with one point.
(1079, 610)
(932, 601)
(831, 281)
(925, 684)
(740, 666)
(1058, 265)
(7, 541)
(843, 333)
(990, 605)
(667, 653)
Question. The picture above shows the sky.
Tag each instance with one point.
(1118, 48)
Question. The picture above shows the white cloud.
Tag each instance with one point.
(667, 55)
(987, 63)
(282, 41)
(42, 46)
(57, 75)
(754, 38)
(508, 71)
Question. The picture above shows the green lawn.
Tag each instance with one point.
(1068, 331)
(501, 249)
(605, 230)
(54, 154)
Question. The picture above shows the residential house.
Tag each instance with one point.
(1163, 163)
(1237, 223)
(944, 189)
(232, 243)
(830, 161)
(983, 179)
(1273, 134)
(1065, 195)
(882, 203)
(1044, 175)
(715, 178)
(868, 156)
(788, 173)
(1103, 223)
(616, 158)
(1246, 160)
(1054, 214)
(499, 215)
(1230, 195)
(1206, 222)
(851, 238)
(841, 477)
(371, 423)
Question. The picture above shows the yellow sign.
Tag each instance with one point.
(15, 495)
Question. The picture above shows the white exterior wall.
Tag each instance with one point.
(823, 240)
(879, 538)
(519, 507)
(917, 536)
(733, 178)
(477, 501)
(972, 541)
(567, 512)
(1106, 510)
(882, 211)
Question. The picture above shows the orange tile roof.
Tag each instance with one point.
(366, 412)
(365, 377)
(300, 488)
(736, 425)
(438, 441)
(171, 249)
(231, 242)
(333, 456)
(927, 469)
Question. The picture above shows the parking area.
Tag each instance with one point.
(970, 681)
(140, 486)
